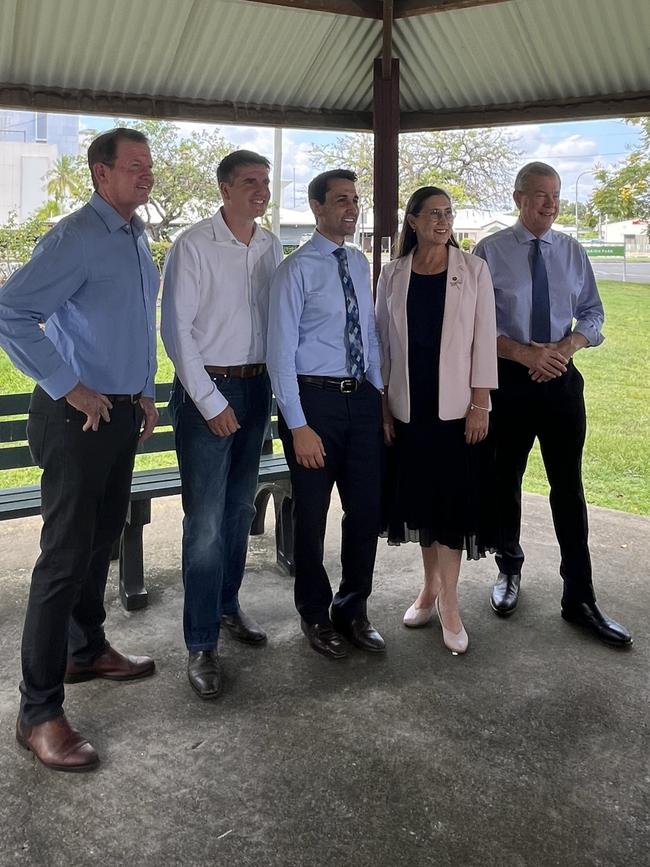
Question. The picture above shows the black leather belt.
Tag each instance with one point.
(345, 386)
(239, 371)
(124, 398)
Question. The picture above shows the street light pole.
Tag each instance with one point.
(586, 172)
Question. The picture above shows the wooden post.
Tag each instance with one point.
(386, 132)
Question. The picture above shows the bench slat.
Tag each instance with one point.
(14, 404)
(13, 431)
(15, 458)
(157, 442)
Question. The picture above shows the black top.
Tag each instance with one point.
(425, 309)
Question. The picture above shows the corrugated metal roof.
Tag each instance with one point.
(245, 55)
(523, 51)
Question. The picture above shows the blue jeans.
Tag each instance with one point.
(219, 478)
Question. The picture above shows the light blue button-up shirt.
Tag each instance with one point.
(92, 281)
(307, 321)
(572, 287)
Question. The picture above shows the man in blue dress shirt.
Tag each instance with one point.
(323, 358)
(548, 308)
(93, 284)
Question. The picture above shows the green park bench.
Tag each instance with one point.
(273, 481)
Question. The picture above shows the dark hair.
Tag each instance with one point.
(408, 238)
(535, 168)
(103, 148)
(318, 188)
(228, 166)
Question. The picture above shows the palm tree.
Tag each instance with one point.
(64, 183)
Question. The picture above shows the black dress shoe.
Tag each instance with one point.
(505, 593)
(205, 674)
(589, 616)
(362, 634)
(324, 639)
(243, 628)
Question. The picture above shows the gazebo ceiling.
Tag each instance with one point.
(304, 63)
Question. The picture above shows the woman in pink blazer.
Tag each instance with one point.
(436, 320)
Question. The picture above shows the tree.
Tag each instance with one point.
(17, 241)
(624, 191)
(67, 182)
(567, 214)
(185, 169)
(474, 166)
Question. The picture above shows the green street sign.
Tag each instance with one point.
(606, 250)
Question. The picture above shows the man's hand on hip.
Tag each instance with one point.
(94, 405)
(225, 424)
(150, 419)
(308, 448)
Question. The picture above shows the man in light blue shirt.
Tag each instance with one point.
(324, 362)
(548, 308)
(92, 284)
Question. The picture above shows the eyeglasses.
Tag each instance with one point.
(438, 214)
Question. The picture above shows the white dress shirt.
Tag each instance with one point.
(215, 304)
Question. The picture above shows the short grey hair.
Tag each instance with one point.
(535, 168)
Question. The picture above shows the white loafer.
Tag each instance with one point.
(416, 617)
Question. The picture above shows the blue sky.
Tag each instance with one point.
(572, 148)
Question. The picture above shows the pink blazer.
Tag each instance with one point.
(468, 347)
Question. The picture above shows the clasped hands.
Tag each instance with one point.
(546, 361)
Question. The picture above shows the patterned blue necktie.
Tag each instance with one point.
(353, 342)
(540, 324)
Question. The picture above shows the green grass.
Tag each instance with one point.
(617, 457)
(616, 467)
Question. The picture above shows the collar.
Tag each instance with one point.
(223, 235)
(324, 246)
(111, 219)
(455, 260)
(522, 234)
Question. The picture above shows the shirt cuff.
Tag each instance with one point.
(59, 383)
(211, 405)
(293, 415)
(591, 334)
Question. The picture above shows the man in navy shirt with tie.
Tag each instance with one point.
(323, 359)
(80, 319)
(548, 308)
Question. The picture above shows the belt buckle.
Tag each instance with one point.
(348, 386)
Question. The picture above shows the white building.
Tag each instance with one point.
(30, 143)
(23, 182)
(615, 233)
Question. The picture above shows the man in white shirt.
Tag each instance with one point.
(214, 320)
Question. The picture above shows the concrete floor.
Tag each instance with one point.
(532, 750)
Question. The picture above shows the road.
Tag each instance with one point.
(637, 272)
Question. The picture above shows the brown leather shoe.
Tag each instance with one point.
(111, 665)
(57, 745)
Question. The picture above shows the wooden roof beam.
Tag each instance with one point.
(374, 8)
(353, 8)
(410, 8)
(578, 108)
(71, 101)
